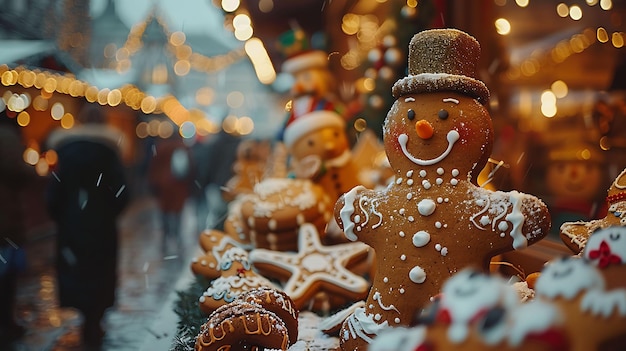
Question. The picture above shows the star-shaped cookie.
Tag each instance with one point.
(315, 267)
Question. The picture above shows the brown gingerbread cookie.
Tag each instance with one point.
(214, 243)
(242, 326)
(275, 301)
(314, 267)
(575, 234)
(281, 206)
(433, 220)
(236, 278)
(477, 311)
(606, 249)
(592, 314)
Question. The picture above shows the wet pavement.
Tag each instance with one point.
(148, 278)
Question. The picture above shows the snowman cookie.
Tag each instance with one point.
(575, 234)
(593, 314)
(433, 220)
(606, 249)
(480, 312)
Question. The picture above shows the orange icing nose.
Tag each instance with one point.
(424, 129)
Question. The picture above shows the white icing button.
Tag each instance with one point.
(409, 174)
(438, 247)
(272, 224)
(438, 225)
(484, 220)
(455, 172)
(417, 275)
(401, 290)
(402, 210)
(444, 251)
(454, 181)
(426, 207)
(440, 171)
(397, 320)
(401, 233)
(439, 199)
(409, 196)
(357, 218)
(411, 219)
(422, 173)
(426, 184)
(385, 279)
(439, 181)
(403, 257)
(399, 181)
(421, 238)
(503, 226)
(409, 182)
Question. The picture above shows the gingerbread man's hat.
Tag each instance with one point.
(442, 60)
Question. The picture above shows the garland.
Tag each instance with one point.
(190, 316)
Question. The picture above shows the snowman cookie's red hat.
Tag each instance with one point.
(305, 60)
(297, 126)
(440, 60)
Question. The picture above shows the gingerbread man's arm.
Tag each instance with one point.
(350, 213)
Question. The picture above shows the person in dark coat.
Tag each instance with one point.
(15, 175)
(170, 175)
(86, 194)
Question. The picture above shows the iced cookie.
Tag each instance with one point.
(214, 243)
(606, 249)
(279, 206)
(242, 326)
(433, 220)
(479, 312)
(575, 234)
(594, 317)
(314, 268)
(236, 277)
(275, 301)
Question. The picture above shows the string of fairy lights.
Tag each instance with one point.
(577, 43)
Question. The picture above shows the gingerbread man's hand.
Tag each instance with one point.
(308, 167)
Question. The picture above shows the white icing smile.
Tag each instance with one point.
(452, 137)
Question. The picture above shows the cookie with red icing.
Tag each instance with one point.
(214, 243)
(236, 278)
(593, 313)
(575, 234)
(433, 220)
(606, 249)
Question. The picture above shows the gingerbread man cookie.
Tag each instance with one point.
(575, 234)
(215, 244)
(237, 277)
(433, 220)
(314, 267)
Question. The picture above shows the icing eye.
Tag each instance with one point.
(473, 275)
(443, 114)
(411, 114)
(494, 317)
(614, 236)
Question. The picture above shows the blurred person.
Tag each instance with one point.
(170, 175)
(86, 194)
(220, 160)
(15, 175)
